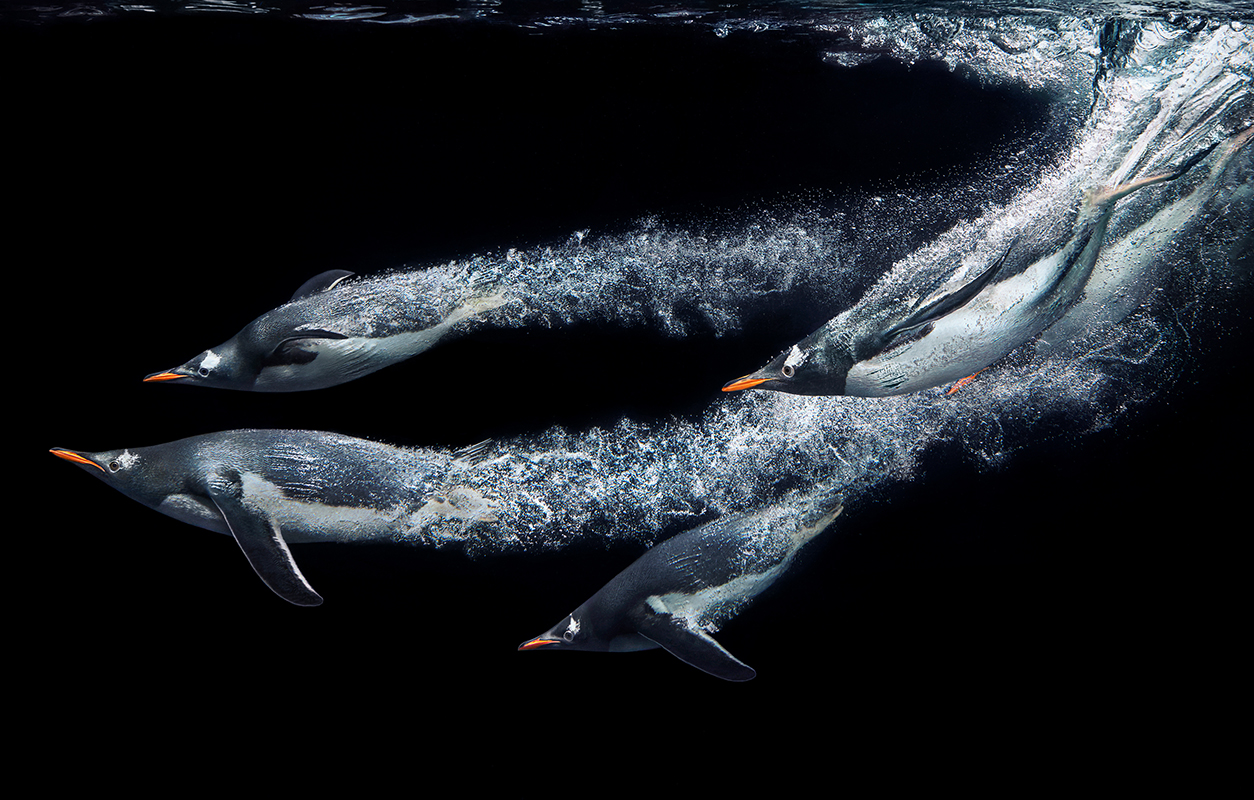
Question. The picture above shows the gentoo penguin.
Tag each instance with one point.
(270, 488)
(334, 330)
(1129, 268)
(877, 352)
(680, 590)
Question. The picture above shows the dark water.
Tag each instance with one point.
(179, 172)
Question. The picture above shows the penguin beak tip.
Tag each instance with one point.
(160, 377)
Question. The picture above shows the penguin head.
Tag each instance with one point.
(269, 355)
(817, 365)
(569, 634)
(134, 472)
(227, 366)
(277, 352)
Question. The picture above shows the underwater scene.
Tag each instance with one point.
(880, 353)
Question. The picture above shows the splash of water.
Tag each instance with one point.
(1178, 90)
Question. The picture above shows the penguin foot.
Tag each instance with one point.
(962, 384)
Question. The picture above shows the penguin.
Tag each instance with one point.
(1129, 268)
(870, 351)
(272, 488)
(682, 589)
(334, 330)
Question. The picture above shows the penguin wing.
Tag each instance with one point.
(924, 314)
(299, 349)
(691, 645)
(263, 545)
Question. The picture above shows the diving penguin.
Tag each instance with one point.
(270, 488)
(684, 587)
(334, 330)
(876, 352)
(1130, 268)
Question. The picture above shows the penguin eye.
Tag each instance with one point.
(115, 465)
(569, 635)
(788, 370)
(204, 372)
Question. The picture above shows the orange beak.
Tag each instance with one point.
(163, 376)
(70, 455)
(539, 641)
(747, 382)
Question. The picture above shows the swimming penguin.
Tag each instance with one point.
(271, 488)
(335, 330)
(680, 590)
(1129, 268)
(875, 352)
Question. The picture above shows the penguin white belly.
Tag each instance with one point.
(305, 521)
(711, 605)
(342, 360)
(964, 342)
(1127, 270)
(398, 347)
(335, 361)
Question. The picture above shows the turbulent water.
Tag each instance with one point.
(1158, 93)
(1117, 92)
(1122, 99)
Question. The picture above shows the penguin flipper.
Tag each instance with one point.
(692, 646)
(321, 282)
(299, 349)
(263, 545)
(949, 302)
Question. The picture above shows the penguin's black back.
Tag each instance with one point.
(710, 555)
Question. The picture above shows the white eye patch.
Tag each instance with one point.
(795, 357)
(211, 360)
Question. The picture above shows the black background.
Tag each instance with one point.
(174, 178)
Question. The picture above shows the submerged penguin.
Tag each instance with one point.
(870, 352)
(680, 590)
(334, 330)
(1130, 268)
(270, 488)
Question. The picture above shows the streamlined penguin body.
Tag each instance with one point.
(870, 351)
(269, 488)
(684, 587)
(335, 330)
(1130, 267)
